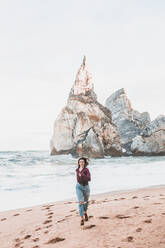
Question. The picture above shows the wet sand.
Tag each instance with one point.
(130, 219)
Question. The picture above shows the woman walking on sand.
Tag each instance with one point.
(82, 188)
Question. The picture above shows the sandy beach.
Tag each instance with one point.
(130, 219)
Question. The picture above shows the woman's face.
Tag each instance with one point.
(82, 163)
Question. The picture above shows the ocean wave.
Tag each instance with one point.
(32, 177)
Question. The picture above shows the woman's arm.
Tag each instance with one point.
(86, 175)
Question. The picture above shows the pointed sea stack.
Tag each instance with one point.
(84, 127)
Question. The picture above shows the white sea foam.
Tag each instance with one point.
(34, 177)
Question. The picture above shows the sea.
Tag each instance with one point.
(29, 178)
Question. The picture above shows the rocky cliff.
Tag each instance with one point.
(85, 127)
(152, 139)
(129, 121)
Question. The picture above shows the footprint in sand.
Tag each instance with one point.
(150, 215)
(73, 210)
(50, 217)
(148, 221)
(88, 227)
(69, 215)
(3, 219)
(103, 217)
(135, 207)
(51, 205)
(48, 206)
(17, 240)
(50, 213)
(156, 203)
(27, 236)
(163, 213)
(36, 246)
(28, 210)
(92, 202)
(139, 229)
(46, 232)
(90, 216)
(130, 239)
(55, 240)
(36, 239)
(68, 202)
(16, 214)
(37, 229)
(61, 220)
(134, 197)
(120, 216)
(18, 244)
(47, 221)
(49, 226)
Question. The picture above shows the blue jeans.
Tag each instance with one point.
(83, 193)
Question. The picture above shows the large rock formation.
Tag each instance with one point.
(84, 126)
(152, 140)
(130, 122)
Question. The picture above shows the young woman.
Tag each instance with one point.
(82, 188)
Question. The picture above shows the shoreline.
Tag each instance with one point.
(126, 219)
(129, 190)
(92, 195)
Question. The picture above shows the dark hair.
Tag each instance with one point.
(85, 160)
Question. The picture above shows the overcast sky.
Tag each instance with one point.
(42, 43)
